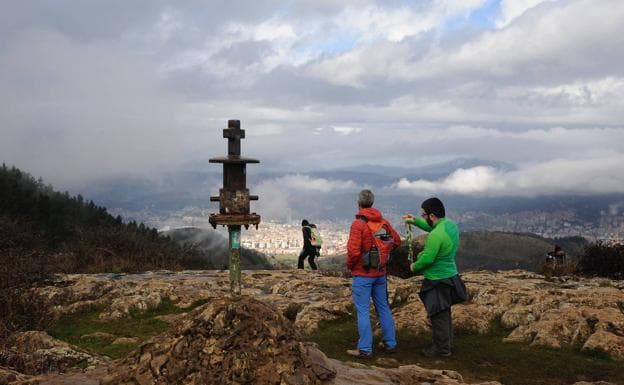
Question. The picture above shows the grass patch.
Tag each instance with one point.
(480, 357)
(139, 325)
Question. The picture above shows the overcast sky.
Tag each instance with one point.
(92, 89)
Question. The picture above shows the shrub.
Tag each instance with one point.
(399, 265)
(603, 260)
(550, 269)
(23, 263)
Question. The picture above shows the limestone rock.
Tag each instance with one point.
(35, 352)
(385, 361)
(561, 313)
(516, 316)
(8, 376)
(101, 335)
(308, 318)
(605, 342)
(594, 383)
(125, 340)
(348, 373)
(122, 306)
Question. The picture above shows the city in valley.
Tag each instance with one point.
(270, 238)
(286, 239)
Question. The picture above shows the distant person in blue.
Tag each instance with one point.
(308, 250)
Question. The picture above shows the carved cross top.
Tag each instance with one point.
(234, 134)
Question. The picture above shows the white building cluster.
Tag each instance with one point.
(281, 239)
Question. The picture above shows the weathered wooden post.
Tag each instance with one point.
(234, 199)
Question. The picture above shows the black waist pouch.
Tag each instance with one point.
(370, 259)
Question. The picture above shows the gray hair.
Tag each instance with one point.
(366, 198)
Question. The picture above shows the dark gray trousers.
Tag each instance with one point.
(438, 296)
(311, 254)
(442, 330)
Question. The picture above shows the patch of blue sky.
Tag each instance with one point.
(481, 18)
(334, 45)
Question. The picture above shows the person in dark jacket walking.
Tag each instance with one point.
(370, 233)
(442, 286)
(308, 250)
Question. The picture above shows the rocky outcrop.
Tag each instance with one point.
(8, 376)
(555, 313)
(73, 377)
(312, 297)
(35, 352)
(607, 343)
(352, 373)
(565, 312)
(584, 313)
(230, 341)
(247, 342)
(122, 306)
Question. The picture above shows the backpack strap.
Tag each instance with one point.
(365, 220)
(374, 226)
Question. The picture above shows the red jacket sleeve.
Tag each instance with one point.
(359, 239)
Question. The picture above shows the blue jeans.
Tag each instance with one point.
(363, 289)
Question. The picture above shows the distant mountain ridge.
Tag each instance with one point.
(159, 195)
(432, 171)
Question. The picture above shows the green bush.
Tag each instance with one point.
(603, 260)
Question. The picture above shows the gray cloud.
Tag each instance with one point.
(74, 111)
(95, 89)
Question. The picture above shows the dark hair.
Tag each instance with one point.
(305, 222)
(434, 206)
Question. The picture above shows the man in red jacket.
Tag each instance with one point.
(371, 239)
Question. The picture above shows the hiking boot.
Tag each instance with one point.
(359, 354)
(431, 352)
(384, 348)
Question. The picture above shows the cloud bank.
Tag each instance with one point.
(89, 91)
(559, 176)
(280, 195)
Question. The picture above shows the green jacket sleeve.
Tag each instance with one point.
(427, 256)
(422, 224)
(419, 222)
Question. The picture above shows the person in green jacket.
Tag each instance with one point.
(442, 286)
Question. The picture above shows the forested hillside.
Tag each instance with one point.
(76, 235)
